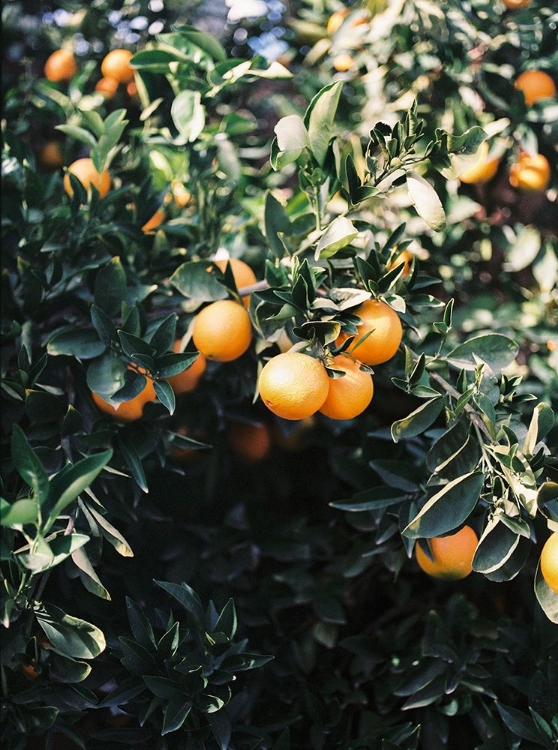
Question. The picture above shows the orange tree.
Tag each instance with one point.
(117, 530)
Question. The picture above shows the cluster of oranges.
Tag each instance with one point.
(531, 171)
(116, 70)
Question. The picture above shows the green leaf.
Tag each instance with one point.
(319, 119)
(340, 233)
(187, 597)
(542, 421)
(88, 576)
(42, 407)
(447, 509)
(110, 287)
(112, 535)
(495, 546)
(72, 480)
(547, 598)
(28, 465)
(140, 625)
(188, 115)
(221, 728)
(374, 498)
(133, 462)
(162, 687)
(79, 134)
(18, 514)
(114, 126)
(456, 153)
(164, 335)
(69, 635)
(426, 201)
(165, 394)
(419, 420)
(520, 724)
(39, 558)
(292, 139)
(227, 622)
(193, 280)
(104, 326)
(206, 42)
(495, 349)
(276, 221)
(175, 713)
(78, 343)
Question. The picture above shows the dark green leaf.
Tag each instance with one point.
(319, 119)
(110, 287)
(419, 420)
(28, 465)
(495, 349)
(221, 728)
(276, 222)
(80, 343)
(69, 635)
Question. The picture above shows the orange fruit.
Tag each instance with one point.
(155, 221)
(531, 173)
(126, 411)
(242, 273)
(405, 258)
(386, 333)
(483, 171)
(107, 87)
(293, 385)
(516, 4)
(85, 171)
(188, 379)
(51, 156)
(452, 555)
(132, 89)
(189, 455)
(336, 19)
(343, 62)
(60, 66)
(549, 562)
(250, 441)
(117, 65)
(350, 395)
(30, 670)
(535, 85)
(222, 331)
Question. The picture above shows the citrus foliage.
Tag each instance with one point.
(285, 325)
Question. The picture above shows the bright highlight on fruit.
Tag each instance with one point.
(222, 331)
(452, 555)
(349, 395)
(385, 331)
(549, 562)
(293, 385)
(531, 173)
(60, 66)
(85, 171)
(535, 85)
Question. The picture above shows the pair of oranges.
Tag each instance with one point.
(295, 386)
(61, 66)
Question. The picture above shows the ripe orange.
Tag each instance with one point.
(51, 156)
(155, 221)
(222, 331)
(242, 273)
(516, 4)
(335, 20)
(126, 411)
(132, 89)
(250, 441)
(107, 87)
(343, 62)
(117, 65)
(549, 561)
(86, 173)
(405, 258)
(30, 670)
(531, 173)
(453, 555)
(386, 333)
(484, 170)
(60, 66)
(350, 395)
(293, 385)
(188, 379)
(535, 85)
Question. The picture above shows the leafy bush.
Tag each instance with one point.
(125, 504)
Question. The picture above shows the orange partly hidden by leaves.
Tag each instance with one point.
(85, 171)
(222, 331)
(336, 19)
(516, 4)
(155, 221)
(484, 170)
(242, 273)
(452, 555)
(126, 411)
(293, 385)
(117, 65)
(349, 395)
(535, 85)
(549, 562)
(107, 87)
(250, 441)
(385, 329)
(530, 173)
(188, 379)
(60, 66)
(343, 62)
(404, 258)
